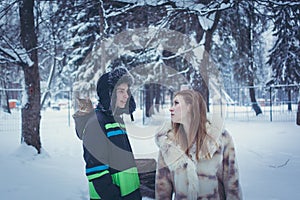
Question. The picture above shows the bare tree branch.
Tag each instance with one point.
(5, 10)
(19, 56)
(282, 165)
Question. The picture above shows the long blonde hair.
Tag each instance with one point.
(198, 122)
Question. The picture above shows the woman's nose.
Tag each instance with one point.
(171, 109)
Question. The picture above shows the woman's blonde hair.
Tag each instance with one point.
(198, 122)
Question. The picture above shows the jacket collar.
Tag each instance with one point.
(165, 138)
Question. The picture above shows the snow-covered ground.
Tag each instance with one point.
(268, 157)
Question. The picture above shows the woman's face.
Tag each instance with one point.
(179, 110)
(122, 95)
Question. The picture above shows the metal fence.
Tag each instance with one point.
(11, 102)
(274, 113)
(277, 103)
(10, 112)
(10, 121)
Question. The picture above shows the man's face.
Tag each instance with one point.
(122, 95)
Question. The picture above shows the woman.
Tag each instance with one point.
(197, 158)
(110, 166)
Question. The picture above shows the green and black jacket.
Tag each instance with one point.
(110, 165)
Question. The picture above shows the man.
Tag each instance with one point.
(110, 165)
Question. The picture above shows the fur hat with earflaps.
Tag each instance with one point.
(106, 91)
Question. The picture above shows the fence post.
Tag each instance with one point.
(69, 105)
(270, 103)
(298, 114)
(144, 106)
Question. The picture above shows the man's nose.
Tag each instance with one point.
(126, 95)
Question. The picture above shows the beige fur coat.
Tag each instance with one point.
(213, 176)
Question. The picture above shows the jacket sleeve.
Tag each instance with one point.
(96, 155)
(230, 179)
(80, 123)
(163, 181)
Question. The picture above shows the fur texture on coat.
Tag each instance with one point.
(213, 176)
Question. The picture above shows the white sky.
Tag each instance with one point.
(267, 153)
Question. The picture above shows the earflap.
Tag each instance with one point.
(103, 91)
(132, 107)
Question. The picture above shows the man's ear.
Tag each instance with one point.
(189, 108)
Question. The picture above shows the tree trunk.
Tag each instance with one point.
(31, 109)
(255, 106)
(102, 21)
(157, 96)
(206, 57)
(149, 97)
(250, 70)
(6, 107)
(53, 67)
(289, 99)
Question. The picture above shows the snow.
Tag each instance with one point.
(267, 153)
(145, 2)
(18, 55)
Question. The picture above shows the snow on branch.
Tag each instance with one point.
(281, 3)
(5, 56)
(10, 54)
(213, 7)
(202, 9)
(118, 11)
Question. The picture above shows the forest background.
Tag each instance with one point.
(48, 47)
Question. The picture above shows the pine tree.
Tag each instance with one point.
(285, 54)
(237, 49)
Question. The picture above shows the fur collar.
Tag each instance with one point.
(165, 138)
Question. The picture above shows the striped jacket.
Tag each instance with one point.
(110, 165)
